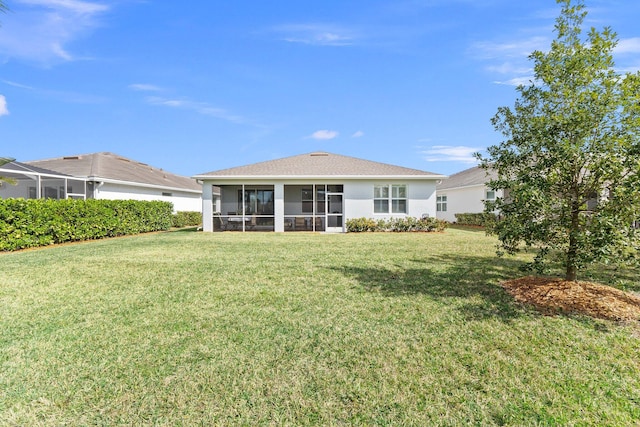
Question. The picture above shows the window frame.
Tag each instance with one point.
(441, 203)
(390, 199)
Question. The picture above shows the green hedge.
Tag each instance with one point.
(357, 225)
(31, 223)
(480, 219)
(186, 219)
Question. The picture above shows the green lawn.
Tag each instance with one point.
(186, 328)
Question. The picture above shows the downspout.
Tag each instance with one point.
(96, 188)
(38, 190)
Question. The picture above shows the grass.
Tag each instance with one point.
(187, 328)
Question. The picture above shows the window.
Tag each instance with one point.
(307, 200)
(381, 199)
(441, 203)
(394, 196)
(490, 195)
(399, 198)
(256, 201)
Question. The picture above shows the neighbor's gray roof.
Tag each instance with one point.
(110, 166)
(319, 164)
(467, 178)
(17, 168)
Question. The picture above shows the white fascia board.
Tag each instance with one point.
(141, 184)
(316, 177)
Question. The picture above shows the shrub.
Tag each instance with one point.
(396, 224)
(480, 219)
(358, 225)
(186, 219)
(31, 223)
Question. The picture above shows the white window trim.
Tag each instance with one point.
(441, 201)
(390, 199)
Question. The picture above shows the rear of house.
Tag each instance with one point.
(313, 192)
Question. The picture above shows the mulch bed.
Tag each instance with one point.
(553, 296)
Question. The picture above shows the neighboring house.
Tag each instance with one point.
(464, 192)
(110, 176)
(315, 192)
(31, 182)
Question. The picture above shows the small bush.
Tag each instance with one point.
(186, 219)
(358, 225)
(480, 219)
(396, 224)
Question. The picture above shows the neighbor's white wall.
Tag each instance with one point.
(182, 201)
(464, 200)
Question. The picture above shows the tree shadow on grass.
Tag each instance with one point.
(184, 230)
(469, 228)
(468, 284)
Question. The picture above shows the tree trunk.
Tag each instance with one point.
(571, 273)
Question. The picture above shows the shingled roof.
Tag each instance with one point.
(319, 164)
(467, 178)
(17, 169)
(110, 166)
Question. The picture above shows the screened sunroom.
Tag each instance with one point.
(29, 182)
(307, 207)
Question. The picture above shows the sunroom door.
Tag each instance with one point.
(335, 209)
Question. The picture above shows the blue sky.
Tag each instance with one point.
(198, 86)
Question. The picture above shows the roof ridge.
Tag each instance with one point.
(319, 163)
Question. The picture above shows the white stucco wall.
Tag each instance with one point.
(464, 200)
(182, 201)
(358, 195)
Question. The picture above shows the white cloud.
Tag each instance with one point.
(358, 134)
(323, 134)
(18, 85)
(75, 6)
(510, 59)
(519, 49)
(142, 87)
(40, 30)
(445, 153)
(3, 106)
(631, 45)
(198, 107)
(59, 95)
(516, 81)
(316, 34)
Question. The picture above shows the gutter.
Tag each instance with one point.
(102, 181)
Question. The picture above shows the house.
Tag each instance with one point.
(317, 191)
(32, 182)
(109, 176)
(464, 192)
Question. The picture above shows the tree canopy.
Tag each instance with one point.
(570, 162)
